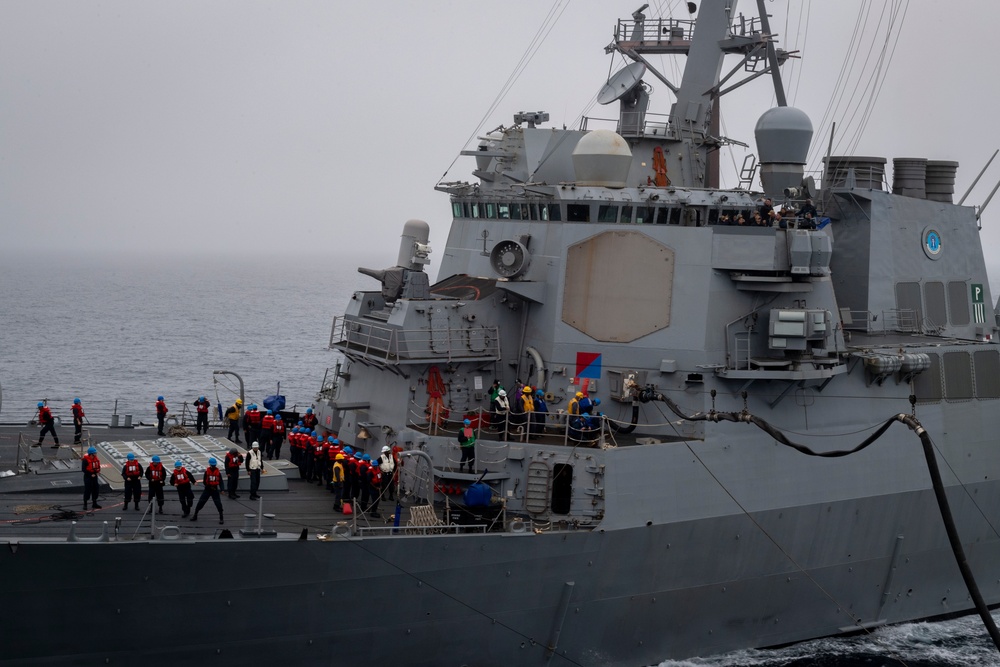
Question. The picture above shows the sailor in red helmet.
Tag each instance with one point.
(213, 484)
(132, 474)
(77, 421)
(157, 477)
(182, 480)
(91, 466)
(48, 423)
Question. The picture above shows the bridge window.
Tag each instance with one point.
(644, 215)
(457, 211)
(578, 212)
(515, 212)
(503, 211)
(626, 214)
(607, 213)
(555, 214)
(562, 488)
(491, 210)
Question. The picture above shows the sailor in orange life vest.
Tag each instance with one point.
(91, 466)
(77, 421)
(213, 483)
(157, 477)
(201, 423)
(182, 480)
(132, 473)
(233, 462)
(48, 423)
(161, 414)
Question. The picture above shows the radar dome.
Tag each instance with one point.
(603, 158)
(783, 135)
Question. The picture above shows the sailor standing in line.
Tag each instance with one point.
(157, 477)
(255, 463)
(213, 483)
(77, 421)
(233, 462)
(266, 431)
(161, 414)
(182, 480)
(387, 466)
(338, 482)
(277, 437)
(91, 466)
(48, 423)
(132, 474)
(202, 404)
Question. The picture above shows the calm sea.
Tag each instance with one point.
(126, 328)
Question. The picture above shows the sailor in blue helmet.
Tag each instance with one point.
(182, 480)
(201, 423)
(156, 475)
(277, 438)
(161, 414)
(309, 419)
(212, 480)
(77, 421)
(48, 423)
(540, 414)
(365, 477)
(91, 466)
(467, 445)
(132, 474)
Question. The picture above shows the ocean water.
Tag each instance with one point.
(127, 328)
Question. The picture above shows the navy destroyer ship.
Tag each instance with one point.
(747, 469)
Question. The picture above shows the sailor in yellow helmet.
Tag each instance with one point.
(574, 404)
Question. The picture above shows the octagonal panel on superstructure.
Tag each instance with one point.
(618, 286)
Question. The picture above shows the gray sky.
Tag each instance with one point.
(318, 127)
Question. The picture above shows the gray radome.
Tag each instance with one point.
(783, 134)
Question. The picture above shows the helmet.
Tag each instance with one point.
(159, 398)
(335, 441)
(312, 433)
(131, 456)
(501, 393)
(466, 422)
(91, 450)
(526, 390)
(348, 450)
(255, 445)
(539, 393)
(239, 401)
(309, 411)
(212, 461)
(385, 448)
(201, 398)
(40, 404)
(177, 464)
(268, 412)
(357, 455)
(76, 401)
(331, 439)
(339, 457)
(232, 450)
(156, 459)
(301, 423)
(579, 394)
(253, 406)
(277, 417)
(597, 401)
(366, 458)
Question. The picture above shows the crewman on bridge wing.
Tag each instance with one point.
(157, 477)
(132, 474)
(233, 419)
(48, 423)
(233, 462)
(467, 445)
(91, 466)
(77, 421)
(201, 423)
(277, 437)
(161, 414)
(182, 480)
(213, 483)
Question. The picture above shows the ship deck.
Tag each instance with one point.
(47, 500)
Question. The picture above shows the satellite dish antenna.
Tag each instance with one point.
(621, 83)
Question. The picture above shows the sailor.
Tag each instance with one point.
(161, 414)
(277, 437)
(387, 466)
(157, 477)
(359, 482)
(573, 408)
(318, 449)
(365, 477)
(48, 423)
(201, 423)
(233, 462)
(77, 421)
(467, 443)
(233, 419)
(338, 482)
(501, 408)
(266, 430)
(132, 474)
(255, 464)
(330, 451)
(349, 477)
(585, 405)
(309, 419)
(375, 484)
(765, 209)
(182, 480)
(539, 416)
(213, 483)
(524, 405)
(252, 423)
(91, 467)
(293, 445)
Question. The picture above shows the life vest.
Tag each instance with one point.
(338, 472)
(202, 406)
(93, 463)
(253, 417)
(77, 411)
(161, 409)
(233, 413)
(319, 450)
(386, 463)
(279, 427)
(375, 476)
(309, 421)
(267, 423)
(181, 476)
(155, 472)
(44, 415)
(255, 460)
(212, 477)
(466, 437)
(133, 470)
(232, 461)
(573, 407)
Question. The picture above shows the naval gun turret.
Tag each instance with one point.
(407, 279)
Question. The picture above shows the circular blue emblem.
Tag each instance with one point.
(932, 243)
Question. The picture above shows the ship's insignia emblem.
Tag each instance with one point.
(588, 365)
(978, 305)
(932, 243)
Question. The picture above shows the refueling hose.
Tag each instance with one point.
(932, 467)
(632, 424)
